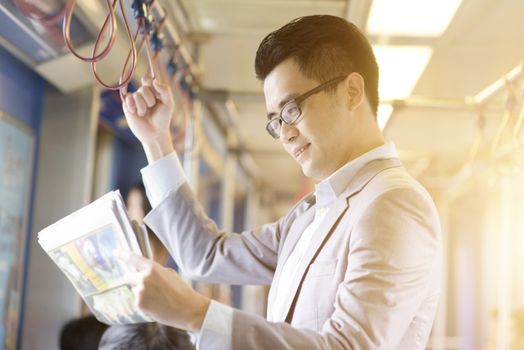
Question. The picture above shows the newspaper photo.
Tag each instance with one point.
(84, 246)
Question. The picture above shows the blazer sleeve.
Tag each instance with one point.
(393, 258)
(205, 253)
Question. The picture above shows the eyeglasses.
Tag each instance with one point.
(291, 111)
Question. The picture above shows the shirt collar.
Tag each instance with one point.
(329, 189)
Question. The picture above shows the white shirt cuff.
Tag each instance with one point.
(217, 328)
(162, 177)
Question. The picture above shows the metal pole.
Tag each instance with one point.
(498, 86)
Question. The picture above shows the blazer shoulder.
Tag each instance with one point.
(396, 179)
(393, 182)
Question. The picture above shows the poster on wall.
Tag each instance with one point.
(16, 168)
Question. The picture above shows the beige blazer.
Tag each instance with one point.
(370, 278)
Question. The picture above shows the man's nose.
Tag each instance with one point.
(288, 133)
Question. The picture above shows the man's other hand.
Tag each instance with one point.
(163, 295)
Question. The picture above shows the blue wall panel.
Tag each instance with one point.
(21, 90)
(22, 96)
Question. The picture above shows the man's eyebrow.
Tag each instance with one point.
(282, 103)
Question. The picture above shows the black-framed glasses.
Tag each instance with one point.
(291, 111)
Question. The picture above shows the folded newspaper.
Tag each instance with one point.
(84, 245)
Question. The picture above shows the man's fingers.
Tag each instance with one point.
(138, 262)
(132, 278)
(130, 104)
(140, 104)
(148, 95)
(162, 91)
(146, 81)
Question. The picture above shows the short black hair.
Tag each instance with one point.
(145, 336)
(82, 334)
(324, 47)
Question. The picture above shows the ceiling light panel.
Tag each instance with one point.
(400, 68)
(419, 18)
(256, 17)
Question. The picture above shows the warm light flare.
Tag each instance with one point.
(383, 115)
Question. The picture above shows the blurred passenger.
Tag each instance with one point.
(82, 334)
(145, 336)
(137, 207)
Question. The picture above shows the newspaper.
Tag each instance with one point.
(84, 245)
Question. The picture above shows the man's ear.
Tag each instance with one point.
(354, 87)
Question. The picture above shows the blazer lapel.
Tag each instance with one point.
(323, 231)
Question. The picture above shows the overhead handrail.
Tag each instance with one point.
(32, 11)
(110, 18)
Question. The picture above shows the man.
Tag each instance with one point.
(355, 265)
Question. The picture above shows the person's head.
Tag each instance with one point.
(82, 334)
(137, 203)
(337, 122)
(144, 336)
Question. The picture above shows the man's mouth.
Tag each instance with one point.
(300, 150)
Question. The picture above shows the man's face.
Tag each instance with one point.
(321, 141)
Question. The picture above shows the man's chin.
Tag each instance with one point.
(310, 172)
